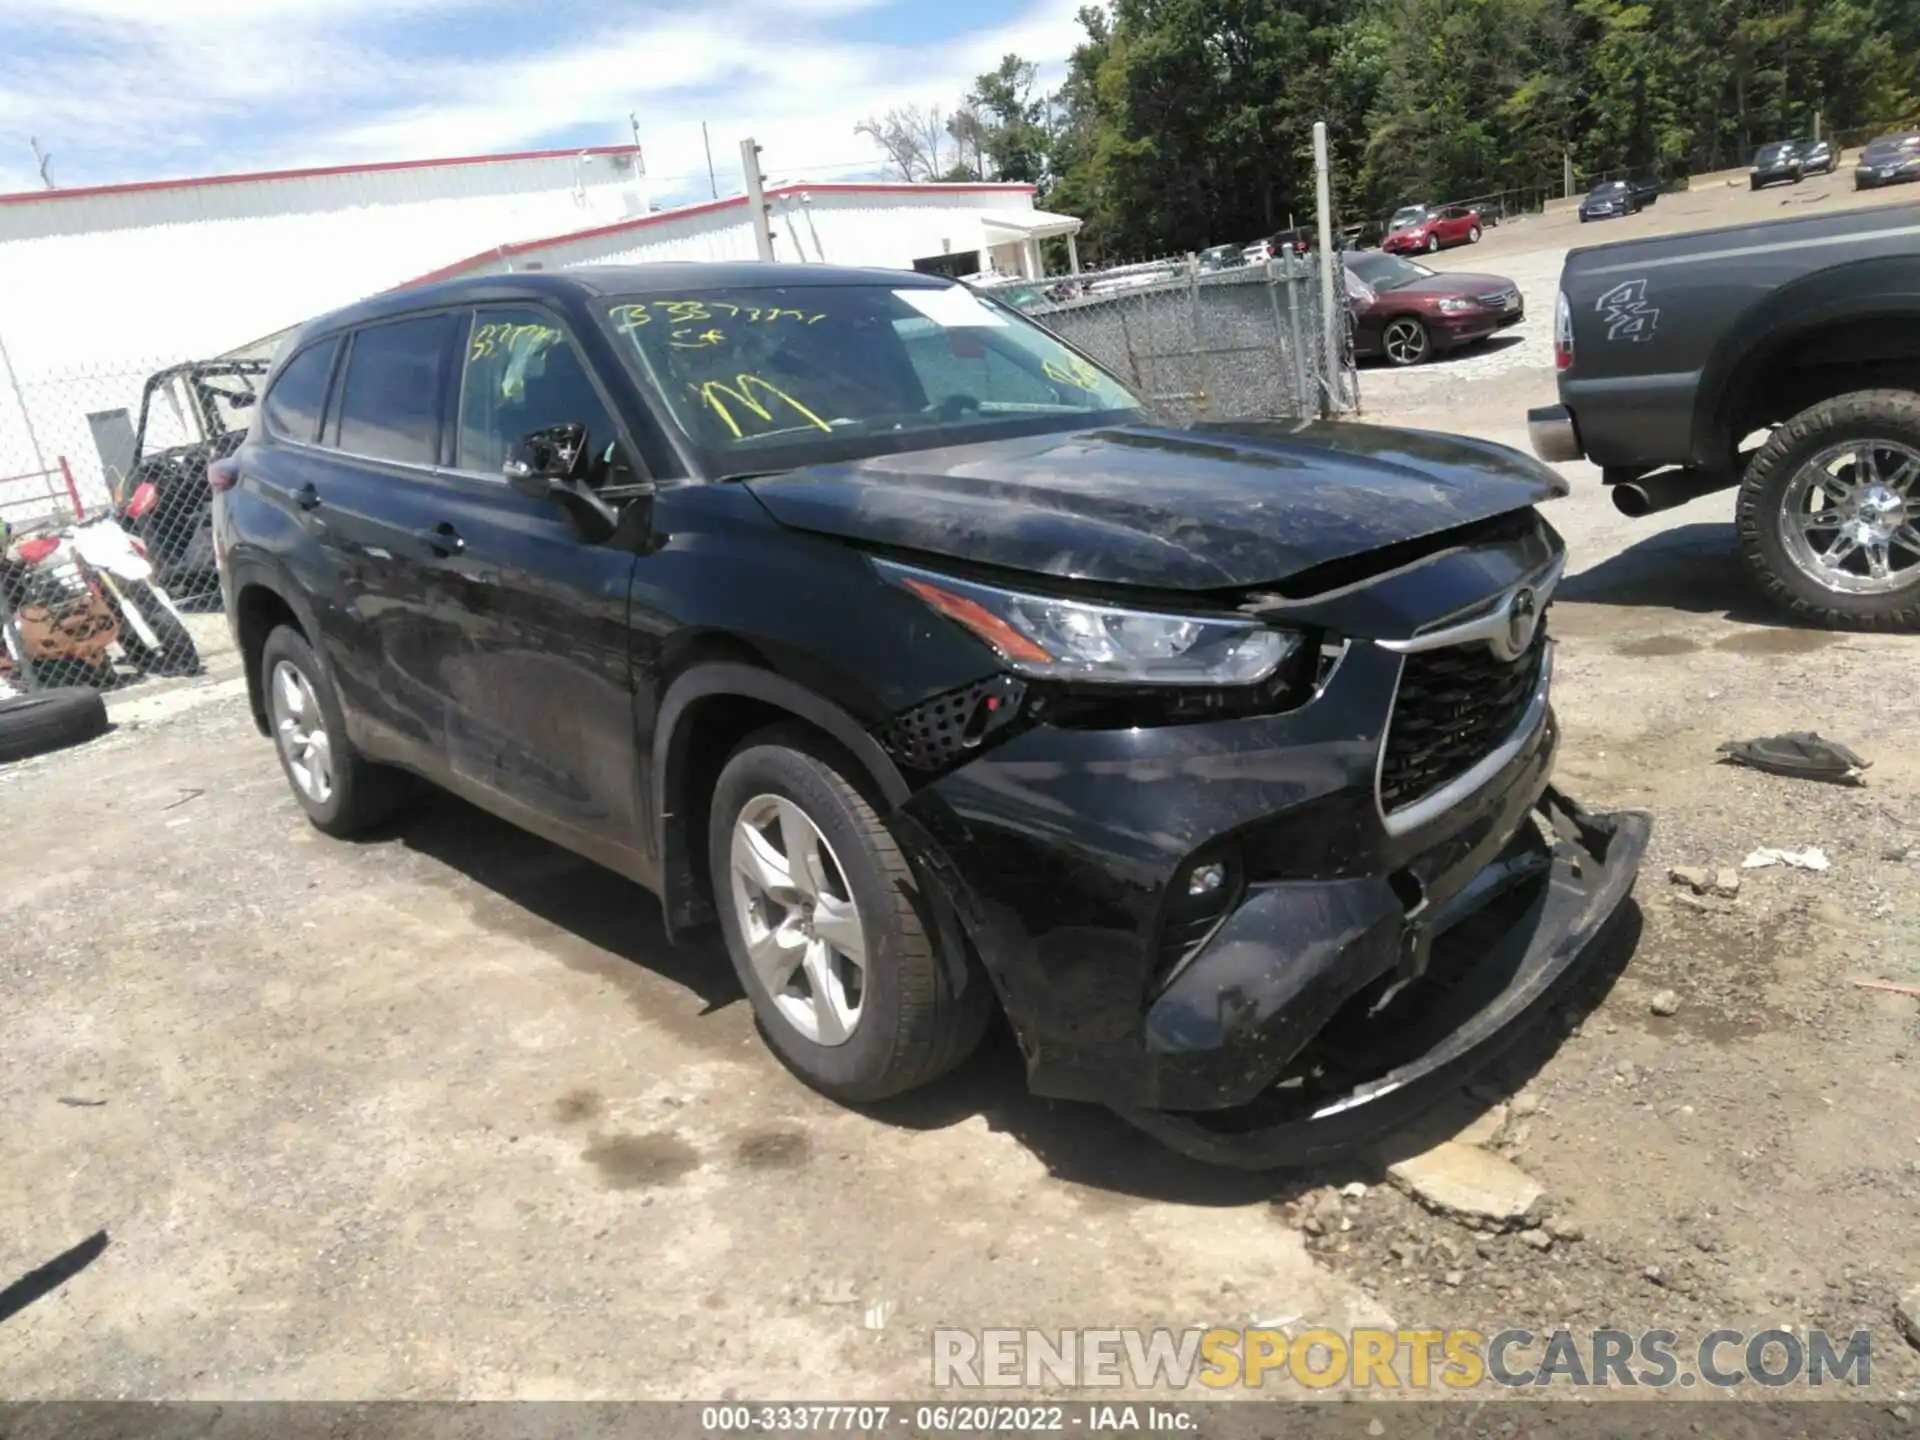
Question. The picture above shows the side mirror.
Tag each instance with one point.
(544, 461)
(555, 464)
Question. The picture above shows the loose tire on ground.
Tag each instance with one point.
(359, 794)
(50, 720)
(917, 1017)
(1892, 416)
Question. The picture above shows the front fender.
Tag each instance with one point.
(669, 799)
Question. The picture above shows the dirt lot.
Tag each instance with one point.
(442, 1114)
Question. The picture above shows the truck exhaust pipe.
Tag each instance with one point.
(1651, 494)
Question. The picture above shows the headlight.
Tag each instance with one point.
(1454, 304)
(1054, 639)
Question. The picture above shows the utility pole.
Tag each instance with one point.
(1333, 303)
(1566, 168)
(707, 145)
(757, 209)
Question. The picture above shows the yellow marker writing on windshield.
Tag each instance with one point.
(1075, 372)
(750, 392)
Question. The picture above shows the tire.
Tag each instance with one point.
(917, 1015)
(178, 654)
(1433, 244)
(50, 720)
(1415, 344)
(1756, 184)
(1773, 487)
(1473, 235)
(358, 795)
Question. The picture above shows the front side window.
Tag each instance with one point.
(767, 378)
(298, 397)
(519, 374)
(390, 395)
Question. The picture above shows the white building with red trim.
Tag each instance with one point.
(103, 285)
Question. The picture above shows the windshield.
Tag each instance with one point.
(1887, 147)
(760, 379)
(1407, 215)
(1386, 272)
(1770, 153)
(1609, 189)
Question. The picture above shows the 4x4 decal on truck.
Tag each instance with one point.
(1627, 312)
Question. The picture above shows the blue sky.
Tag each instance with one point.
(123, 90)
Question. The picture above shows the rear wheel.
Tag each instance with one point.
(1473, 235)
(1829, 512)
(1406, 341)
(342, 791)
(828, 930)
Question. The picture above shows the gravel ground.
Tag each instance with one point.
(442, 1115)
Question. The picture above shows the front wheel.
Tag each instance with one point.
(1433, 244)
(1829, 512)
(828, 929)
(1406, 341)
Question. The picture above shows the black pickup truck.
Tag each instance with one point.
(1782, 358)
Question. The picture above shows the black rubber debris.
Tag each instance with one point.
(1802, 754)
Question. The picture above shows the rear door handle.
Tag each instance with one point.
(442, 540)
(306, 497)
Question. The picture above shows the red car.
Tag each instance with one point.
(1421, 228)
(1407, 313)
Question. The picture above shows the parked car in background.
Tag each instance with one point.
(1415, 312)
(1817, 157)
(1409, 215)
(1609, 200)
(878, 627)
(1222, 257)
(1455, 225)
(1781, 359)
(1775, 163)
(1888, 160)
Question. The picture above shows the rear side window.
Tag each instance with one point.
(294, 405)
(390, 397)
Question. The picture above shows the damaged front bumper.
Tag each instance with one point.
(1522, 926)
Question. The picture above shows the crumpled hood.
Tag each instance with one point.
(1204, 507)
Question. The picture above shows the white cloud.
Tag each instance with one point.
(146, 88)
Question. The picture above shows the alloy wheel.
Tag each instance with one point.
(1405, 341)
(1850, 517)
(300, 729)
(798, 919)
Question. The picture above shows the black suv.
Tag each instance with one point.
(860, 613)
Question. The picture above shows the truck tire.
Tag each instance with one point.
(50, 720)
(1829, 512)
(804, 875)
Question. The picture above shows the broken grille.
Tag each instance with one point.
(1454, 708)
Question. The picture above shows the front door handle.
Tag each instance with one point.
(442, 540)
(306, 497)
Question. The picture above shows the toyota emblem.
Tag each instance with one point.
(1523, 618)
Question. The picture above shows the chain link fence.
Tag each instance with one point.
(107, 574)
(1246, 342)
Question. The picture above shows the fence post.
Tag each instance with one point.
(1202, 372)
(20, 399)
(1290, 337)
